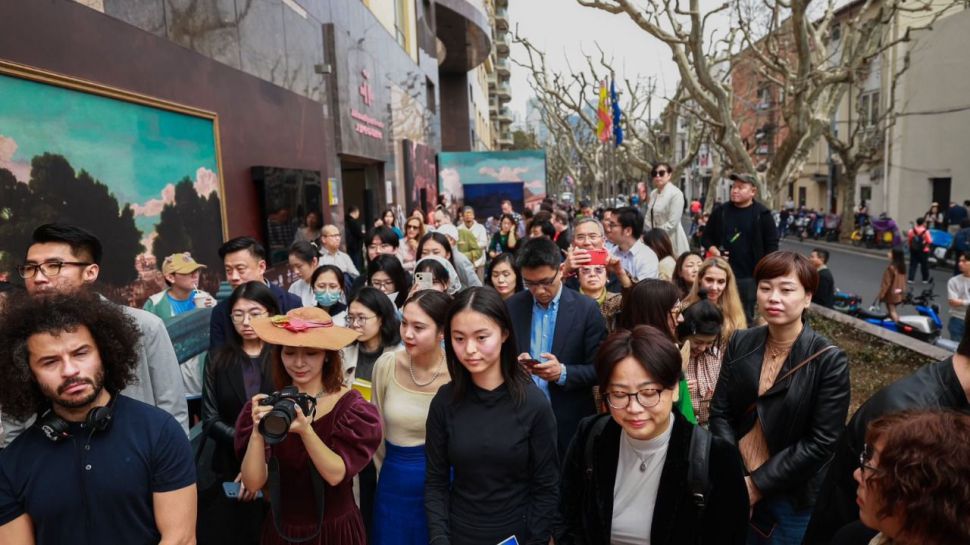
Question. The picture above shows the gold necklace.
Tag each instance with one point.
(434, 377)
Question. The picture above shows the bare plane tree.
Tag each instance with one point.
(787, 45)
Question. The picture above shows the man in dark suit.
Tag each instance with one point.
(562, 330)
(825, 294)
(245, 261)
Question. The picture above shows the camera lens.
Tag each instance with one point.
(276, 424)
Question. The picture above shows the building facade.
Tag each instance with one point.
(319, 104)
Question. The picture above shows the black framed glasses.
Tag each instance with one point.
(49, 268)
(865, 457)
(647, 398)
(544, 284)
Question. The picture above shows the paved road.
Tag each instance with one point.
(860, 273)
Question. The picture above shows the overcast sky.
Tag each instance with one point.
(563, 28)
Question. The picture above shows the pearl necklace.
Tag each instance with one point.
(434, 377)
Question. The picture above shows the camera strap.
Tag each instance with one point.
(275, 499)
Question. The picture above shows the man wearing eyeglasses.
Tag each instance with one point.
(558, 331)
(65, 259)
(639, 261)
(589, 234)
(667, 208)
(330, 254)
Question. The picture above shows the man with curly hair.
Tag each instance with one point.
(98, 466)
(66, 259)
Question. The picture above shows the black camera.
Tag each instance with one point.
(276, 424)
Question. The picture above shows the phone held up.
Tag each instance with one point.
(598, 257)
(231, 490)
(424, 280)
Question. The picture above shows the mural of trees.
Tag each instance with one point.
(187, 224)
(56, 193)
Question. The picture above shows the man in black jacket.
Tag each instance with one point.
(941, 385)
(744, 230)
(245, 261)
(825, 294)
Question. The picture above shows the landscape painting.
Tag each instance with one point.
(141, 174)
(458, 170)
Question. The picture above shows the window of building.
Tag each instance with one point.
(865, 193)
(802, 196)
(869, 109)
(401, 23)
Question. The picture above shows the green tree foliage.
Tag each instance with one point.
(192, 223)
(522, 140)
(55, 193)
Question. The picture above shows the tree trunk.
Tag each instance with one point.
(846, 181)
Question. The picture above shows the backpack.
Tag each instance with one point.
(917, 241)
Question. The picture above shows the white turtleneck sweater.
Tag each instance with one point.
(635, 491)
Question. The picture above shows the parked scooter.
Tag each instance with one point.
(926, 325)
(865, 234)
(887, 232)
(940, 247)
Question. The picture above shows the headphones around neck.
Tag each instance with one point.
(57, 429)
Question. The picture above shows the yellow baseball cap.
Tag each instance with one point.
(181, 264)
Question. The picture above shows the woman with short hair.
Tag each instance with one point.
(625, 476)
(782, 397)
(914, 479)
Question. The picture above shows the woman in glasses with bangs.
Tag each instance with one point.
(625, 476)
(234, 373)
(667, 207)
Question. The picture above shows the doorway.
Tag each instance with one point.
(361, 184)
(941, 192)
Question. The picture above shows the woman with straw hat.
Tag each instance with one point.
(308, 465)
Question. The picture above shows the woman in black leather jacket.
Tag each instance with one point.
(782, 397)
(233, 374)
(625, 479)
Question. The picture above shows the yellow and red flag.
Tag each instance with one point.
(605, 123)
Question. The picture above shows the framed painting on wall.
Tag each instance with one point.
(141, 173)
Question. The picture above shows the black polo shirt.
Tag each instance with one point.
(96, 488)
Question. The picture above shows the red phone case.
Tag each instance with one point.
(597, 257)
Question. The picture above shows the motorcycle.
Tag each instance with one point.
(926, 325)
(865, 234)
(887, 233)
(833, 224)
(942, 241)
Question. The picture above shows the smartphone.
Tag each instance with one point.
(511, 540)
(598, 257)
(531, 362)
(231, 490)
(424, 280)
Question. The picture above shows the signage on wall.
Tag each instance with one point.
(365, 124)
(389, 191)
(333, 195)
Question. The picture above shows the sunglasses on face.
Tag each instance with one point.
(660, 172)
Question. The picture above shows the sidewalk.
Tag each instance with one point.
(876, 252)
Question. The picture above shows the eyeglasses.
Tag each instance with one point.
(597, 270)
(647, 398)
(593, 237)
(239, 317)
(864, 458)
(415, 227)
(49, 268)
(331, 235)
(544, 284)
(354, 319)
(660, 172)
(381, 284)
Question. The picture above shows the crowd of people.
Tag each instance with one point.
(544, 377)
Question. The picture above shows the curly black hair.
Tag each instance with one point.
(115, 334)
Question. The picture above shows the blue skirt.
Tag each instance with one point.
(399, 516)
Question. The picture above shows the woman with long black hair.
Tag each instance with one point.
(234, 373)
(491, 447)
(386, 273)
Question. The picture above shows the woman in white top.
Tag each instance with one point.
(405, 382)
(624, 480)
(303, 261)
(667, 208)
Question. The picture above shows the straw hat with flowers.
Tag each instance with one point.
(307, 327)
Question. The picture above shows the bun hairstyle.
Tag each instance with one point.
(701, 318)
